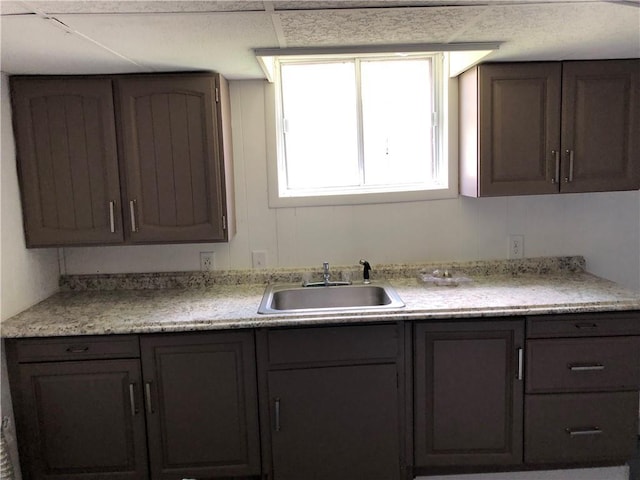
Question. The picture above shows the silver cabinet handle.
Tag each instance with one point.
(276, 407)
(576, 432)
(520, 364)
(112, 220)
(585, 367)
(569, 179)
(132, 399)
(132, 211)
(147, 396)
(78, 349)
(556, 178)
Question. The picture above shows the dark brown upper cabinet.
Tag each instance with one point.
(468, 392)
(551, 127)
(124, 159)
(173, 138)
(67, 161)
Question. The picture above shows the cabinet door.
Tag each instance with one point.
(519, 128)
(202, 411)
(83, 421)
(174, 173)
(66, 149)
(468, 393)
(601, 125)
(335, 423)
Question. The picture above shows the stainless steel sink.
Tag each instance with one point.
(293, 299)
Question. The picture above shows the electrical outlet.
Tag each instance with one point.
(259, 259)
(206, 261)
(516, 246)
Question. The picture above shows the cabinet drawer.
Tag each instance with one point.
(333, 344)
(584, 325)
(583, 364)
(582, 427)
(77, 348)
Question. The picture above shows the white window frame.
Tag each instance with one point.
(446, 144)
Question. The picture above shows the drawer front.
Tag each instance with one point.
(583, 364)
(77, 348)
(584, 325)
(581, 427)
(333, 344)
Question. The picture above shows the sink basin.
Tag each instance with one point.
(292, 299)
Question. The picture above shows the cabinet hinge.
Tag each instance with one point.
(217, 95)
(224, 222)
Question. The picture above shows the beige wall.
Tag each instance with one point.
(604, 227)
(27, 276)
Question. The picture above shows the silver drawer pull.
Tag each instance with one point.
(576, 432)
(78, 349)
(132, 212)
(586, 325)
(585, 367)
(520, 364)
(132, 399)
(112, 219)
(556, 177)
(276, 407)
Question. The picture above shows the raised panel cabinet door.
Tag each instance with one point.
(601, 125)
(174, 171)
(519, 128)
(201, 401)
(67, 160)
(335, 423)
(468, 393)
(83, 421)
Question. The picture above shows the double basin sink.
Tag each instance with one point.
(294, 299)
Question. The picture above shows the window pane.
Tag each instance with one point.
(319, 107)
(397, 129)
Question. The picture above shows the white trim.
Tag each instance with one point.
(449, 151)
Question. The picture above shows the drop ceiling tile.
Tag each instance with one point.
(222, 42)
(374, 26)
(12, 8)
(32, 45)
(558, 31)
(93, 6)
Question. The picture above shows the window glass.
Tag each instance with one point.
(359, 125)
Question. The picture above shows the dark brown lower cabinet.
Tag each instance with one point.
(83, 421)
(201, 404)
(580, 427)
(468, 393)
(333, 402)
(337, 423)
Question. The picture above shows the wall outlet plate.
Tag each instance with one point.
(206, 261)
(259, 259)
(516, 246)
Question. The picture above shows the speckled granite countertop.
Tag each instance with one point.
(90, 305)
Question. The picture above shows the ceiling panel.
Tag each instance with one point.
(31, 45)
(558, 31)
(93, 6)
(375, 26)
(222, 42)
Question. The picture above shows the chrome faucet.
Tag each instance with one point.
(326, 279)
(325, 273)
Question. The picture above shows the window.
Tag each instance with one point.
(360, 125)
